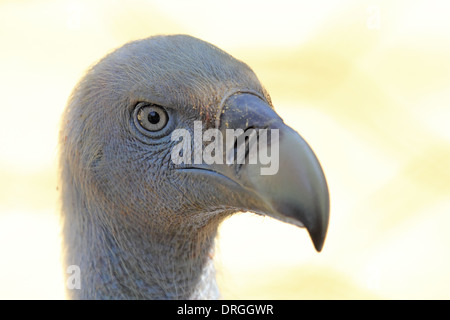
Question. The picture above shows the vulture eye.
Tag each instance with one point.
(152, 117)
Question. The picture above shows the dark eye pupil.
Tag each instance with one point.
(153, 117)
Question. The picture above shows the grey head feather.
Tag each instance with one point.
(133, 227)
(140, 226)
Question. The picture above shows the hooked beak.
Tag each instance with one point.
(293, 190)
(289, 185)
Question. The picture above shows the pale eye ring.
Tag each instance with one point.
(152, 117)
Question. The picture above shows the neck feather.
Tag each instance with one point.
(123, 261)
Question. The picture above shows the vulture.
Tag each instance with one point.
(138, 222)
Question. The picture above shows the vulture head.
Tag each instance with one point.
(156, 151)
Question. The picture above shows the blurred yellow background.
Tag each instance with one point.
(366, 83)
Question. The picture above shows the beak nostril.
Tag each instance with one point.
(243, 144)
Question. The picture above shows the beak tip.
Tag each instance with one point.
(318, 238)
(318, 228)
(318, 244)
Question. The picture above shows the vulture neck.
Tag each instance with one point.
(124, 260)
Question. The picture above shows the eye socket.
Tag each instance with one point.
(152, 117)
